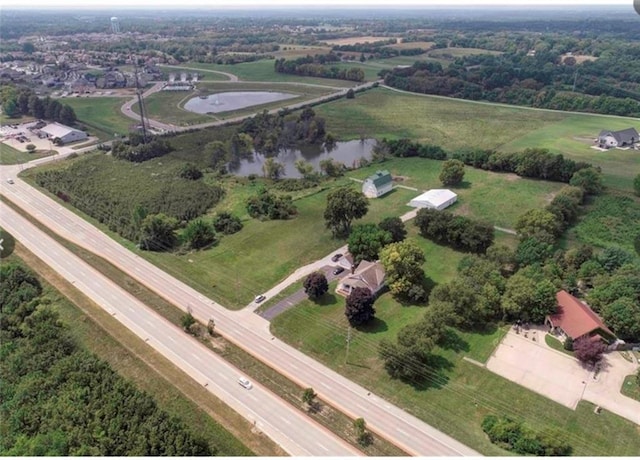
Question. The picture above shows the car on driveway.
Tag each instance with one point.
(10, 181)
(245, 383)
(259, 298)
(336, 257)
(338, 270)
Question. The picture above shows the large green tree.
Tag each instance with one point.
(395, 227)
(529, 298)
(623, 316)
(272, 169)
(404, 275)
(157, 233)
(315, 285)
(590, 179)
(199, 234)
(452, 172)
(366, 241)
(218, 154)
(538, 223)
(359, 306)
(344, 204)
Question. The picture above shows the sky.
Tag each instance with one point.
(238, 4)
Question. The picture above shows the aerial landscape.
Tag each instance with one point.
(320, 229)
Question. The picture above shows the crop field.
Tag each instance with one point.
(101, 114)
(263, 70)
(459, 52)
(296, 51)
(355, 40)
(411, 45)
(496, 198)
(454, 123)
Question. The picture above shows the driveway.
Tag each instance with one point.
(560, 377)
(298, 296)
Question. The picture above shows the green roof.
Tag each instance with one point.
(380, 178)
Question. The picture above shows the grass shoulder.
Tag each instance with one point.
(631, 387)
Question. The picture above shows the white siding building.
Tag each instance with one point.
(377, 185)
(434, 199)
(64, 133)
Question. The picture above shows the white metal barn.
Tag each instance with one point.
(377, 185)
(434, 199)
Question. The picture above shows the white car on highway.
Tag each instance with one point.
(245, 383)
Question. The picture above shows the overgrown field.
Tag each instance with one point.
(102, 115)
(459, 394)
(456, 123)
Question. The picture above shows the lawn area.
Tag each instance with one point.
(573, 136)
(207, 75)
(12, 156)
(263, 70)
(556, 344)
(166, 106)
(630, 387)
(497, 198)
(101, 115)
(456, 397)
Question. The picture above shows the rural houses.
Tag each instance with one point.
(377, 185)
(624, 138)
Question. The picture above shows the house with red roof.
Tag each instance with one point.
(576, 319)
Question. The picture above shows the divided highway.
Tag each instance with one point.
(243, 328)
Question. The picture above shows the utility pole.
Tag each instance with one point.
(346, 357)
(140, 101)
(575, 79)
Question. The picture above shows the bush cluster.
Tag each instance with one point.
(513, 436)
(457, 231)
(266, 205)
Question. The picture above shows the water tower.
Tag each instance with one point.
(115, 25)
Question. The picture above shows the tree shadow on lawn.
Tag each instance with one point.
(452, 341)
(328, 299)
(374, 326)
(433, 375)
(462, 185)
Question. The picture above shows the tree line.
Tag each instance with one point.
(541, 80)
(314, 66)
(24, 101)
(136, 149)
(535, 163)
(59, 400)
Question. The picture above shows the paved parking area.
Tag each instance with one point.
(560, 377)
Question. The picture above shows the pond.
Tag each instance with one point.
(233, 100)
(348, 153)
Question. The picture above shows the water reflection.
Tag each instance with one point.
(349, 153)
(233, 100)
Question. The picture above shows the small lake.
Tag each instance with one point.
(348, 153)
(233, 100)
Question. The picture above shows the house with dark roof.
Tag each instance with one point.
(377, 185)
(368, 275)
(576, 319)
(625, 138)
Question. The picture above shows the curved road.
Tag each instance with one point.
(243, 328)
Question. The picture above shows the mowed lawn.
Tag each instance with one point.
(12, 156)
(455, 397)
(495, 197)
(101, 114)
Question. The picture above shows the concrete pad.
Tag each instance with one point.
(534, 366)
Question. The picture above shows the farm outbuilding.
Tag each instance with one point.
(377, 185)
(434, 199)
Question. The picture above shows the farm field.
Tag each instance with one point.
(411, 45)
(101, 115)
(296, 51)
(496, 198)
(454, 123)
(455, 397)
(355, 40)
(444, 53)
(263, 70)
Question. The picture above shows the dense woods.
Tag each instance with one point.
(24, 101)
(541, 78)
(137, 150)
(59, 400)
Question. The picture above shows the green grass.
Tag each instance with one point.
(459, 52)
(556, 344)
(101, 115)
(457, 397)
(206, 75)
(173, 391)
(12, 156)
(263, 70)
(5, 120)
(454, 123)
(497, 198)
(630, 387)
(609, 220)
(167, 107)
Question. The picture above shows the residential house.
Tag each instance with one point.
(576, 319)
(369, 275)
(625, 138)
(377, 185)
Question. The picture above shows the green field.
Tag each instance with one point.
(456, 397)
(497, 198)
(12, 156)
(454, 123)
(101, 115)
(630, 387)
(168, 106)
(263, 70)
(207, 75)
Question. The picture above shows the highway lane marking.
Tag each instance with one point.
(293, 366)
(263, 347)
(171, 338)
(285, 420)
(322, 446)
(253, 397)
(402, 431)
(150, 323)
(223, 377)
(196, 356)
(325, 385)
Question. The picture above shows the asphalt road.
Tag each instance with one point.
(295, 432)
(244, 328)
